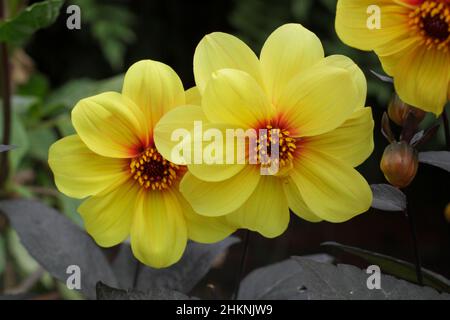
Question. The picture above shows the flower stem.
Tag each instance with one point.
(413, 231)
(446, 128)
(6, 95)
(242, 265)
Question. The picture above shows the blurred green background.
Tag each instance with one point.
(57, 67)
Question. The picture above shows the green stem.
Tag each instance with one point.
(6, 95)
(413, 232)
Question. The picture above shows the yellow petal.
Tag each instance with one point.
(174, 128)
(154, 87)
(332, 189)
(289, 50)
(215, 172)
(393, 52)
(79, 172)
(318, 100)
(229, 155)
(158, 230)
(421, 79)
(193, 97)
(204, 229)
(352, 142)
(110, 125)
(234, 97)
(356, 73)
(177, 140)
(107, 217)
(266, 211)
(221, 51)
(296, 202)
(352, 19)
(215, 199)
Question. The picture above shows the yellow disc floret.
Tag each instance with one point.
(432, 21)
(152, 171)
(287, 146)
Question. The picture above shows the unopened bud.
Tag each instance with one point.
(399, 164)
(398, 111)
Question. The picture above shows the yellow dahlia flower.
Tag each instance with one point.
(315, 102)
(412, 40)
(132, 189)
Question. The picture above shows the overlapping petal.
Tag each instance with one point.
(421, 79)
(216, 199)
(224, 152)
(352, 142)
(296, 202)
(155, 88)
(184, 136)
(223, 51)
(110, 125)
(174, 133)
(266, 211)
(332, 189)
(158, 230)
(204, 229)
(356, 74)
(193, 97)
(234, 97)
(318, 100)
(107, 217)
(79, 172)
(289, 50)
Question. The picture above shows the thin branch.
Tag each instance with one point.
(413, 232)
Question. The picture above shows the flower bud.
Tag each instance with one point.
(398, 111)
(399, 164)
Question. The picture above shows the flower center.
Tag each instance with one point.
(432, 21)
(286, 147)
(152, 171)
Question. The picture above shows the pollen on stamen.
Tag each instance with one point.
(287, 146)
(152, 171)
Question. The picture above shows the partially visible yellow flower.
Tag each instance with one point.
(412, 42)
(132, 190)
(317, 103)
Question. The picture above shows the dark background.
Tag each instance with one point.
(168, 31)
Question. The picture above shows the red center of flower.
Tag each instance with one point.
(152, 171)
(436, 27)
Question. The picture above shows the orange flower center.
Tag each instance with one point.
(287, 146)
(152, 171)
(432, 21)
